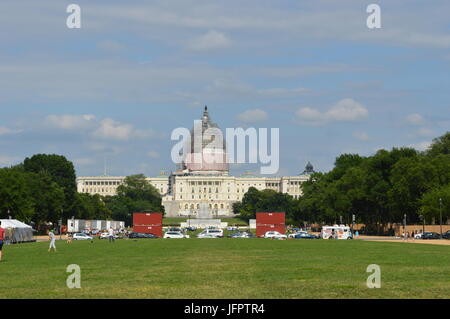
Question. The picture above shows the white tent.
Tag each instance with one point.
(16, 231)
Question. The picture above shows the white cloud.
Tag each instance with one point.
(346, 110)
(421, 146)
(110, 129)
(307, 114)
(252, 116)
(362, 136)
(114, 130)
(5, 130)
(425, 132)
(71, 122)
(9, 160)
(211, 40)
(415, 119)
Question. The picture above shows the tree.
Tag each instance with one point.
(119, 207)
(142, 195)
(410, 179)
(15, 195)
(136, 194)
(61, 171)
(88, 206)
(440, 145)
(431, 204)
(48, 197)
(255, 201)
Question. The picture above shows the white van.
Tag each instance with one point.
(336, 232)
(211, 233)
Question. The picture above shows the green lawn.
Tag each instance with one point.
(226, 268)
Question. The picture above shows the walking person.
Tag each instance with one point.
(52, 236)
(111, 234)
(2, 238)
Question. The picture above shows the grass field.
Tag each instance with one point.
(226, 268)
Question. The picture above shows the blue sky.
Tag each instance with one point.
(136, 70)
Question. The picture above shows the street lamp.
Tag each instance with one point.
(440, 215)
(60, 225)
(423, 220)
(404, 226)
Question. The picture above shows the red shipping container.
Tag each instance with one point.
(149, 223)
(270, 222)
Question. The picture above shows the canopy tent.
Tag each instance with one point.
(16, 231)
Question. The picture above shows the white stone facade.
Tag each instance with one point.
(192, 184)
(187, 192)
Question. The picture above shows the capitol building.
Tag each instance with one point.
(193, 183)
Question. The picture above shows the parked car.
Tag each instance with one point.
(191, 228)
(106, 236)
(305, 235)
(232, 228)
(430, 235)
(241, 234)
(418, 236)
(446, 235)
(81, 236)
(175, 234)
(274, 235)
(292, 235)
(211, 233)
(141, 235)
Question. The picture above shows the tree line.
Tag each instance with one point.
(378, 189)
(43, 189)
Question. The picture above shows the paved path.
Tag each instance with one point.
(398, 240)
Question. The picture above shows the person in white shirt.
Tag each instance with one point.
(111, 234)
(52, 236)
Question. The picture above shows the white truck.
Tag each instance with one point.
(336, 232)
(211, 233)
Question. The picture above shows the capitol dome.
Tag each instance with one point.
(207, 153)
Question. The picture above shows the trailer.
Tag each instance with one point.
(82, 225)
(270, 222)
(336, 232)
(149, 223)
